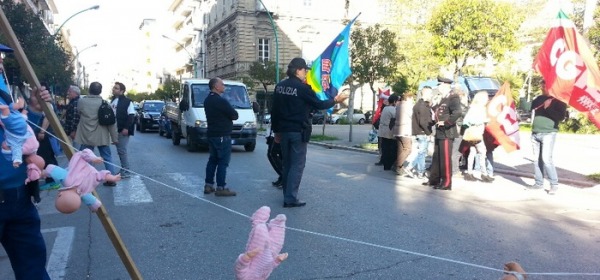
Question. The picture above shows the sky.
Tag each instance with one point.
(114, 27)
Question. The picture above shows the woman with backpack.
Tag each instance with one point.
(90, 132)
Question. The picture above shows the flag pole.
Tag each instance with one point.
(109, 227)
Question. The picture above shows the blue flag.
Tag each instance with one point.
(330, 70)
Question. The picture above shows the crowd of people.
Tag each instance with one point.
(445, 120)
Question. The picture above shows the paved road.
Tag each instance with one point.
(173, 231)
(573, 154)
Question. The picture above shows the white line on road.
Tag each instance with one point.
(59, 256)
(191, 184)
(131, 191)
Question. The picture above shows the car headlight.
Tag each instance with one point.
(249, 125)
(200, 124)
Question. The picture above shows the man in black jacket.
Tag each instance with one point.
(421, 129)
(293, 100)
(124, 112)
(219, 116)
(447, 112)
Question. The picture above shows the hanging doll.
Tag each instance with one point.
(78, 181)
(19, 137)
(263, 248)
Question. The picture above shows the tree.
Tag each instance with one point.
(464, 29)
(374, 55)
(50, 61)
(169, 90)
(593, 33)
(264, 73)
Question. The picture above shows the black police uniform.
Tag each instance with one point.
(293, 101)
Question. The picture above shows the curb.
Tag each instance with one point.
(566, 181)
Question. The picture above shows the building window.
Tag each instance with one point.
(263, 49)
(307, 3)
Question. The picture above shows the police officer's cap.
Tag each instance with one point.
(5, 49)
(298, 63)
(444, 80)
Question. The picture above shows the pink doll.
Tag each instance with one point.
(19, 137)
(263, 247)
(78, 181)
(35, 165)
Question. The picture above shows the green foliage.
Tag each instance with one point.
(49, 60)
(465, 29)
(593, 34)
(169, 90)
(374, 54)
(264, 73)
(320, 137)
(400, 86)
(595, 177)
(578, 124)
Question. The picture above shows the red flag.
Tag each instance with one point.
(503, 124)
(383, 95)
(569, 68)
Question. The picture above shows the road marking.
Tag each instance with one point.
(59, 256)
(131, 191)
(190, 184)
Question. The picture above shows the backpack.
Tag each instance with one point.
(106, 115)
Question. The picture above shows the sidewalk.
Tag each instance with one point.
(573, 154)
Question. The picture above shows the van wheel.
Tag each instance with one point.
(250, 147)
(175, 137)
(191, 146)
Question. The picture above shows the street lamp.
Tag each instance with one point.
(276, 42)
(96, 7)
(192, 59)
(79, 52)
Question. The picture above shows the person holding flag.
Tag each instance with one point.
(548, 112)
(293, 100)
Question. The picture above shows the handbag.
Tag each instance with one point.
(474, 133)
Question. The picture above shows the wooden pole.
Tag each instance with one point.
(106, 221)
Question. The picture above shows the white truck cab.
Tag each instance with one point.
(189, 119)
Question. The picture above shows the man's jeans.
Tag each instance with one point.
(106, 156)
(294, 159)
(220, 154)
(122, 151)
(419, 160)
(489, 163)
(543, 147)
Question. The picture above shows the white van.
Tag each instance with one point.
(188, 119)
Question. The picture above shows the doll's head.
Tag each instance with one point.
(37, 160)
(67, 201)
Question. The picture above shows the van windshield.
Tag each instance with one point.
(236, 95)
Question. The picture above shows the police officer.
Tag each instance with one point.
(293, 100)
(447, 113)
(20, 233)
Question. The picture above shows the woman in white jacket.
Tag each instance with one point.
(475, 119)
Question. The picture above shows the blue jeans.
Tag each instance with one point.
(489, 163)
(543, 147)
(220, 154)
(106, 156)
(294, 159)
(419, 160)
(20, 235)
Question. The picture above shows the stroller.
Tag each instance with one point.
(275, 157)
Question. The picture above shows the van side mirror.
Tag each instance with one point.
(255, 107)
(184, 105)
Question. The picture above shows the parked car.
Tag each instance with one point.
(319, 117)
(164, 125)
(342, 114)
(148, 114)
